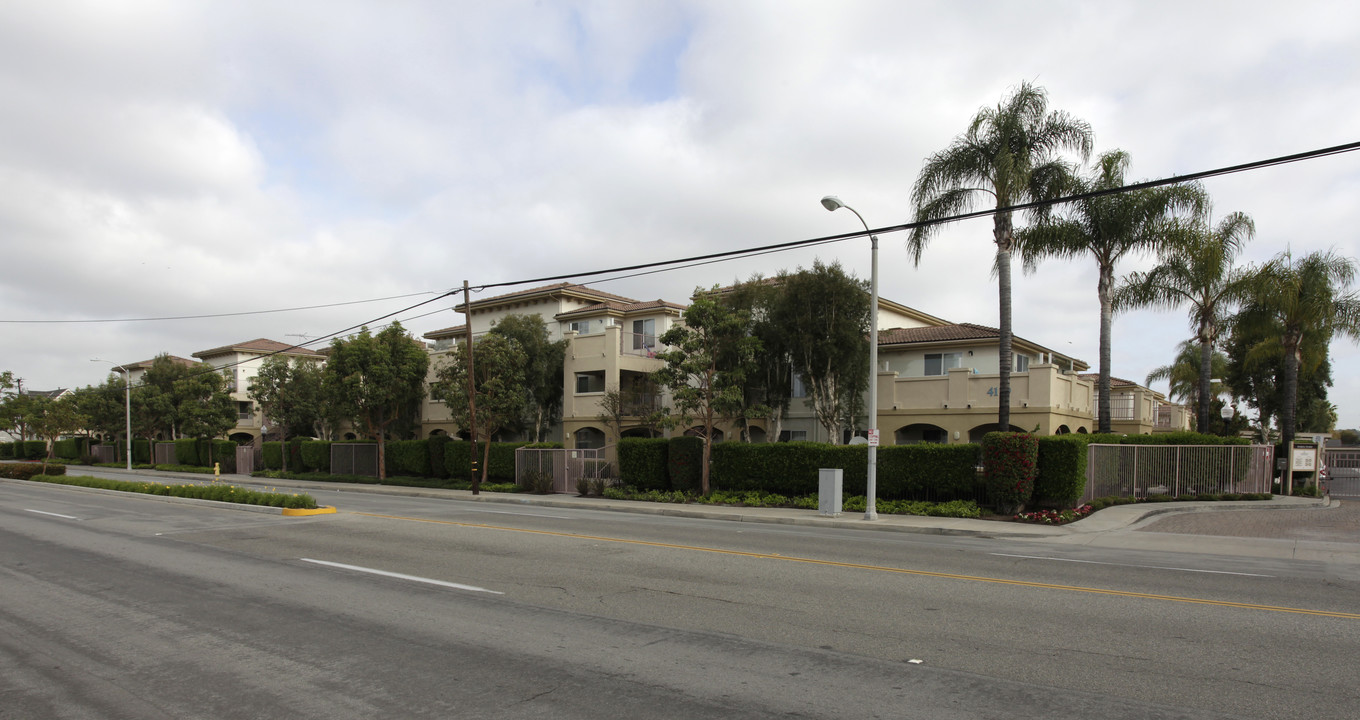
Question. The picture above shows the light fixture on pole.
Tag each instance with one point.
(833, 203)
(127, 405)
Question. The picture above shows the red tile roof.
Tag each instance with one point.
(621, 307)
(942, 333)
(447, 332)
(568, 288)
(259, 345)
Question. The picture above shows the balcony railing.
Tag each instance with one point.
(1122, 408)
(641, 344)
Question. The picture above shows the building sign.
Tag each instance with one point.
(1304, 457)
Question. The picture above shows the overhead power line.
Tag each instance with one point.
(222, 315)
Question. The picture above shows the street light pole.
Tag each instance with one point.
(832, 203)
(127, 405)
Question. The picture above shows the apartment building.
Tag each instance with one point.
(241, 362)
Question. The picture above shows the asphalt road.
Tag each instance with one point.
(114, 606)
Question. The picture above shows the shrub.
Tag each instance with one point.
(684, 463)
(273, 455)
(1061, 476)
(141, 451)
(316, 455)
(1009, 462)
(66, 449)
(27, 471)
(6, 451)
(221, 493)
(458, 459)
(33, 450)
(186, 452)
(436, 445)
(224, 454)
(408, 457)
(642, 462)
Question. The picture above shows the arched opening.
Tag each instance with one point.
(1063, 430)
(351, 437)
(241, 438)
(464, 435)
(639, 433)
(756, 434)
(1081, 431)
(920, 433)
(589, 438)
(698, 431)
(439, 433)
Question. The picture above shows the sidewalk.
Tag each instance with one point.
(1122, 526)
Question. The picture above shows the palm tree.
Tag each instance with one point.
(1302, 300)
(1184, 372)
(1007, 154)
(1108, 227)
(1197, 269)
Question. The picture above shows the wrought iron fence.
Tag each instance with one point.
(1143, 470)
(1343, 472)
(565, 466)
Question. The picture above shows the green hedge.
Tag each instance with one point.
(32, 450)
(6, 451)
(642, 463)
(1061, 479)
(219, 492)
(26, 471)
(141, 451)
(684, 463)
(316, 456)
(224, 454)
(273, 455)
(408, 457)
(1010, 462)
(186, 452)
(932, 472)
(68, 449)
(437, 464)
(458, 460)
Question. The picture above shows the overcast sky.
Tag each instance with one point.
(184, 158)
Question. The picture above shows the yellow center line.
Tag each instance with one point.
(883, 568)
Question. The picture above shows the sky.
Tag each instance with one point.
(182, 159)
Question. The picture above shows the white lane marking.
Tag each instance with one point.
(400, 576)
(40, 512)
(1149, 567)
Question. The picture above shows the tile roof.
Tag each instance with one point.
(550, 289)
(173, 358)
(446, 332)
(942, 333)
(1114, 381)
(258, 345)
(623, 307)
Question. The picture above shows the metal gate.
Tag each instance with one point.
(1175, 470)
(354, 459)
(1343, 472)
(566, 466)
(164, 453)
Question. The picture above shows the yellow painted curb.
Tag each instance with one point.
(299, 512)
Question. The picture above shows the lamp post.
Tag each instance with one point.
(833, 203)
(127, 405)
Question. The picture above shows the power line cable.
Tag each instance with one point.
(222, 315)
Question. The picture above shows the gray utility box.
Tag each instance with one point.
(829, 484)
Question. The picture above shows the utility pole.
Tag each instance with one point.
(471, 390)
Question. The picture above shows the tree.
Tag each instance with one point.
(50, 419)
(543, 363)
(14, 413)
(288, 393)
(104, 407)
(1183, 374)
(374, 379)
(1197, 270)
(1350, 436)
(1108, 228)
(1007, 154)
(182, 401)
(825, 316)
(709, 358)
(1298, 300)
(498, 381)
(769, 386)
(1256, 369)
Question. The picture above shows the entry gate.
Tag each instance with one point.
(1343, 472)
(566, 466)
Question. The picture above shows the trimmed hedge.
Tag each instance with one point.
(141, 451)
(26, 471)
(929, 472)
(32, 450)
(1062, 471)
(221, 493)
(186, 452)
(273, 455)
(68, 449)
(408, 457)
(224, 454)
(684, 460)
(437, 465)
(316, 456)
(643, 464)
(1010, 462)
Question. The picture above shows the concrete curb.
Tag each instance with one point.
(199, 502)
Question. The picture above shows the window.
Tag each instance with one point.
(797, 389)
(245, 410)
(792, 435)
(580, 327)
(940, 363)
(589, 383)
(1021, 363)
(644, 334)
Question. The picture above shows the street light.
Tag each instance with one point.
(127, 405)
(833, 203)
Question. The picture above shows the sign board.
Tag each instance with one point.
(873, 437)
(1304, 457)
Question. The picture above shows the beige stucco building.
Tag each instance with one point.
(936, 382)
(241, 362)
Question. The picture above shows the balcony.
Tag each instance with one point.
(1042, 386)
